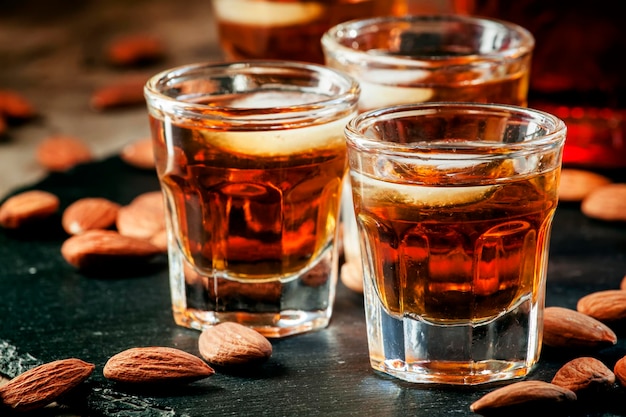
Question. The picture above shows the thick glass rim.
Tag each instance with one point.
(355, 131)
(344, 101)
(331, 41)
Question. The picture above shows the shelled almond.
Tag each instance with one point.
(59, 153)
(88, 214)
(139, 154)
(576, 184)
(27, 207)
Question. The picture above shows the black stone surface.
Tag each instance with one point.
(51, 311)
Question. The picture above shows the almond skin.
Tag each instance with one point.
(139, 154)
(352, 276)
(576, 184)
(144, 217)
(620, 371)
(134, 49)
(14, 105)
(43, 384)
(156, 365)
(88, 214)
(584, 374)
(59, 153)
(124, 93)
(566, 328)
(105, 248)
(606, 306)
(233, 344)
(524, 395)
(606, 203)
(26, 207)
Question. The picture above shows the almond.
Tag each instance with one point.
(606, 306)
(563, 327)
(622, 284)
(606, 203)
(123, 93)
(135, 49)
(523, 395)
(88, 214)
(233, 344)
(156, 365)
(144, 217)
(139, 154)
(576, 184)
(584, 374)
(352, 276)
(620, 371)
(14, 105)
(26, 207)
(43, 384)
(105, 248)
(59, 153)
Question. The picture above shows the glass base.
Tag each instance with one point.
(507, 347)
(285, 323)
(275, 308)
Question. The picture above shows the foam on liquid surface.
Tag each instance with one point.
(282, 141)
(262, 13)
(415, 194)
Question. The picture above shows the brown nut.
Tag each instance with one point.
(156, 365)
(584, 374)
(88, 214)
(566, 328)
(26, 207)
(233, 344)
(59, 153)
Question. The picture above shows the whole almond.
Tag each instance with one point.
(43, 384)
(123, 93)
(14, 105)
(59, 153)
(105, 248)
(26, 207)
(144, 217)
(352, 276)
(606, 306)
(524, 395)
(135, 49)
(576, 184)
(232, 343)
(584, 374)
(622, 284)
(156, 365)
(566, 328)
(620, 371)
(88, 214)
(606, 203)
(139, 154)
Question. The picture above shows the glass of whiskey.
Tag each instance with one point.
(251, 158)
(425, 58)
(286, 29)
(454, 204)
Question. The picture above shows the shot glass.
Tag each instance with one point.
(251, 158)
(454, 205)
(289, 30)
(424, 58)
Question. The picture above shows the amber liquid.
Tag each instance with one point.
(248, 216)
(299, 40)
(465, 261)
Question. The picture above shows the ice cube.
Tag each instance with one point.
(264, 13)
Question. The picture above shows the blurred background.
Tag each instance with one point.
(59, 56)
